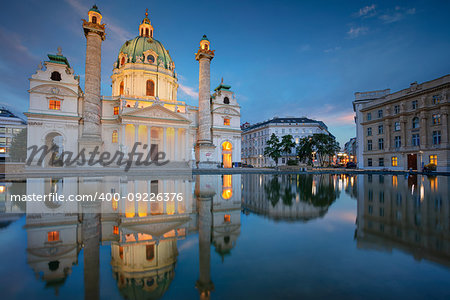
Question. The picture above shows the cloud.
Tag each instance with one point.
(366, 11)
(189, 91)
(337, 48)
(398, 14)
(355, 32)
(14, 47)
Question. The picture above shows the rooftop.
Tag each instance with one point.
(287, 120)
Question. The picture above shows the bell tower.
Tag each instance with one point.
(205, 149)
(146, 28)
(94, 31)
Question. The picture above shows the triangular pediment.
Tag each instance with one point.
(156, 111)
(53, 89)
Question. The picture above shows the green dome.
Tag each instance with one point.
(137, 46)
(95, 8)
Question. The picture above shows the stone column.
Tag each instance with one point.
(444, 128)
(175, 144)
(165, 141)
(91, 133)
(204, 205)
(205, 150)
(423, 131)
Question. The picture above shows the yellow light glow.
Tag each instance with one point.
(2, 188)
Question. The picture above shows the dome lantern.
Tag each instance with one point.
(94, 15)
(146, 28)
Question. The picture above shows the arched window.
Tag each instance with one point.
(150, 88)
(115, 136)
(226, 100)
(150, 252)
(146, 32)
(94, 19)
(121, 88)
(415, 122)
(56, 76)
(151, 33)
(122, 62)
(151, 59)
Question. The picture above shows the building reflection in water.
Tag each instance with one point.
(142, 235)
(290, 197)
(405, 213)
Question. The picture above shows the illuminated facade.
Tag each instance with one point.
(143, 107)
(406, 129)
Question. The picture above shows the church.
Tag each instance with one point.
(143, 108)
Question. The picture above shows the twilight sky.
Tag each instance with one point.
(282, 58)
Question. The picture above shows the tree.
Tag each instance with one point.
(273, 148)
(325, 146)
(18, 149)
(305, 150)
(286, 145)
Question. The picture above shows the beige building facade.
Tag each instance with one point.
(404, 130)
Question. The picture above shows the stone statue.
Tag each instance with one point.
(136, 104)
(139, 59)
(59, 51)
(40, 66)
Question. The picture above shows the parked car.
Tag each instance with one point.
(247, 166)
(350, 165)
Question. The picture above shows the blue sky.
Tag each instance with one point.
(282, 58)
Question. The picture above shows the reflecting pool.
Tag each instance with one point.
(247, 236)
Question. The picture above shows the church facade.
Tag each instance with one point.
(143, 108)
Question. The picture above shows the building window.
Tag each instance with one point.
(380, 129)
(150, 88)
(380, 113)
(369, 145)
(54, 105)
(414, 104)
(151, 59)
(436, 119)
(381, 162)
(121, 88)
(226, 122)
(415, 122)
(115, 136)
(415, 140)
(226, 100)
(397, 142)
(369, 116)
(94, 19)
(122, 61)
(433, 159)
(436, 99)
(380, 144)
(53, 236)
(116, 110)
(369, 131)
(369, 162)
(116, 230)
(56, 76)
(227, 218)
(394, 161)
(396, 109)
(436, 137)
(150, 252)
(397, 126)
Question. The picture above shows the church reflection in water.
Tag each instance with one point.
(142, 235)
(393, 213)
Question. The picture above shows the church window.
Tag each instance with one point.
(146, 32)
(151, 59)
(53, 236)
(227, 218)
(116, 230)
(150, 88)
(116, 110)
(94, 19)
(226, 122)
(54, 105)
(121, 252)
(121, 88)
(226, 100)
(115, 136)
(56, 76)
(150, 252)
(122, 62)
